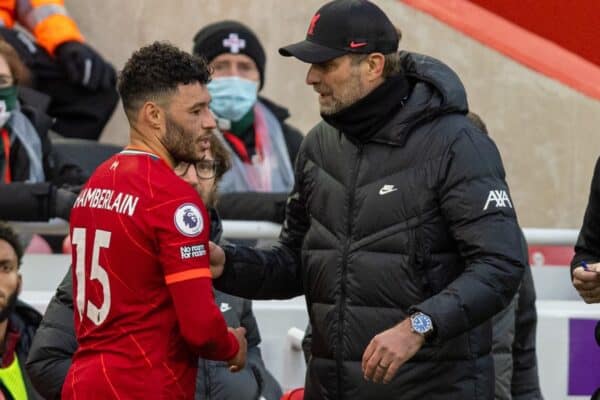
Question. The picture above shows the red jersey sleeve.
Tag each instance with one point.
(182, 230)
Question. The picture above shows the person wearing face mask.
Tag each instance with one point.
(55, 343)
(35, 183)
(263, 146)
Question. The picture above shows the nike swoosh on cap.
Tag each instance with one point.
(355, 45)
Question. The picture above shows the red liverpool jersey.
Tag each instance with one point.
(144, 306)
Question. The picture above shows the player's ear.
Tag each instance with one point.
(153, 115)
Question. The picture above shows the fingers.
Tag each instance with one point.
(590, 296)
(367, 354)
(381, 370)
(392, 370)
(585, 276)
(370, 366)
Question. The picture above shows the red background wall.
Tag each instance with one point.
(572, 24)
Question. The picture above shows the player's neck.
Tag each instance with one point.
(151, 144)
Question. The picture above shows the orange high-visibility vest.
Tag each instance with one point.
(47, 20)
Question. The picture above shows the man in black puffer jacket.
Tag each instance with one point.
(400, 229)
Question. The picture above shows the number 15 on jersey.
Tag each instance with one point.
(101, 239)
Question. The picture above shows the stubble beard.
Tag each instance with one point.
(181, 144)
(351, 93)
(9, 307)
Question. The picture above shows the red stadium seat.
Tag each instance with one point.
(294, 394)
(544, 256)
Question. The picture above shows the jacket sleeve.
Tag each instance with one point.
(54, 343)
(475, 203)
(587, 247)
(48, 21)
(253, 206)
(274, 273)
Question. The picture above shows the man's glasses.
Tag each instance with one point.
(205, 169)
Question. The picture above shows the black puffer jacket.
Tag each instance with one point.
(418, 218)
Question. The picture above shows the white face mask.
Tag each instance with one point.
(232, 97)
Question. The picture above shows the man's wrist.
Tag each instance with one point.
(422, 324)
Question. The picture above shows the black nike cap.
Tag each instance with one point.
(345, 26)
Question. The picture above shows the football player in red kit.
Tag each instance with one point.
(141, 277)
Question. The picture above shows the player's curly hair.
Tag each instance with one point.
(155, 71)
(8, 233)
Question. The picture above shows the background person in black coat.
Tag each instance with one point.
(585, 266)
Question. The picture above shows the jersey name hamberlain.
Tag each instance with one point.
(122, 203)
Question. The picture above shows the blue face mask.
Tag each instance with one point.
(232, 97)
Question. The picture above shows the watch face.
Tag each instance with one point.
(421, 323)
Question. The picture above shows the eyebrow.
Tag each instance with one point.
(200, 104)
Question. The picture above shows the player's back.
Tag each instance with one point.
(127, 330)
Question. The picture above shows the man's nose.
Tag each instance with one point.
(312, 76)
(208, 121)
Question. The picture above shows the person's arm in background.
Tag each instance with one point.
(587, 248)
(56, 32)
(21, 201)
(54, 343)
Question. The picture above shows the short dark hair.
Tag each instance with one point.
(19, 71)
(155, 71)
(221, 156)
(477, 121)
(8, 233)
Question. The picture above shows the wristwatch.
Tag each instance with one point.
(421, 323)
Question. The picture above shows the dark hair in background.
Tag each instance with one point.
(221, 155)
(155, 71)
(8, 233)
(19, 71)
(477, 121)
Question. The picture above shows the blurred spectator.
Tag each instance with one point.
(18, 321)
(55, 342)
(514, 335)
(33, 181)
(80, 84)
(262, 145)
(585, 267)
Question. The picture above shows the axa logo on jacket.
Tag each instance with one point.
(499, 198)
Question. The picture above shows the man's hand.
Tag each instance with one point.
(217, 260)
(587, 283)
(236, 364)
(389, 350)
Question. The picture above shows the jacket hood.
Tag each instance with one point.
(435, 90)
